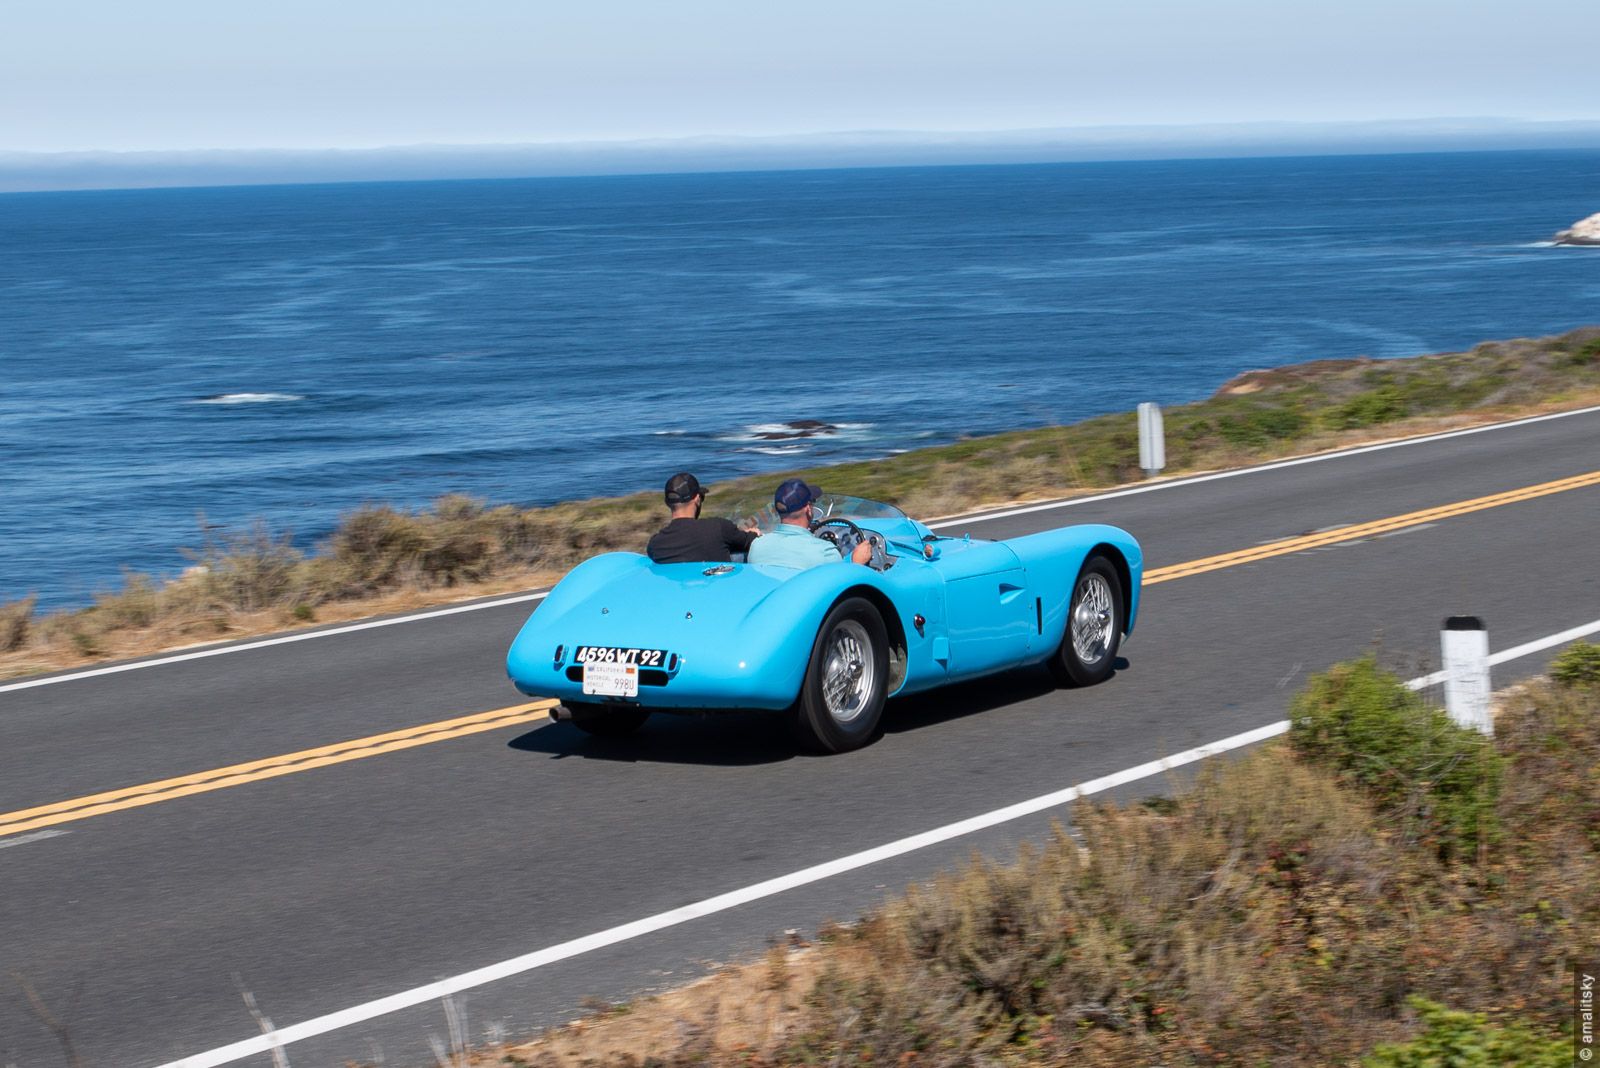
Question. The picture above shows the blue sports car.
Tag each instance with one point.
(620, 637)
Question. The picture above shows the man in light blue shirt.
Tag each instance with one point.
(791, 543)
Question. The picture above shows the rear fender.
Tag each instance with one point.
(1053, 559)
(581, 583)
(781, 629)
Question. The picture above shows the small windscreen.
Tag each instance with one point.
(758, 511)
(834, 504)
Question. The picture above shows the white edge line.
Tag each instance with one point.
(285, 639)
(34, 837)
(978, 517)
(406, 999)
(1516, 651)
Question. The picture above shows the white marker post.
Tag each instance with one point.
(1465, 644)
(1152, 440)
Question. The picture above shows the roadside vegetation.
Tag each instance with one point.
(1380, 888)
(384, 559)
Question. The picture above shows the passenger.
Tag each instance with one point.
(689, 539)
(791, 543)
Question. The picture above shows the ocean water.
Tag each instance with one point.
(287, 353)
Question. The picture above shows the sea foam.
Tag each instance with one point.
(249, 398)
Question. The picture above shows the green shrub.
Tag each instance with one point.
(1586, 354)
(1440, 780)
(1437, 391)
(1381, 405)
(1578, 665)
(1282, 424)
(1468, 1040)
(1260, 427)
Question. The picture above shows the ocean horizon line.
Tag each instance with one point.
(105, 170)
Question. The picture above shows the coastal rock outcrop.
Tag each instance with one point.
(1583, 232)
(795, 428)
(1286, 377)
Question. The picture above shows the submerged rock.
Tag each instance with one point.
(799, 428)
(1583, 232)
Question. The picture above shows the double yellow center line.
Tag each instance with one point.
(1339, 535)
(80, 808)
(32, 819)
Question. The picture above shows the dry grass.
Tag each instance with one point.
(1272, 915)
(385, 559)
(16, 619)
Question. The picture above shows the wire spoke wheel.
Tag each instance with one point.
(841, 700)
(1095, 613)
(1093, 618)
(848, 672)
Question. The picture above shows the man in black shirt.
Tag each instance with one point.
(689, 539)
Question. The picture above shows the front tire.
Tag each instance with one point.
(847, 680)
(1095, 613)
(605, 721)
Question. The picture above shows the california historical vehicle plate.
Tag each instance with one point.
(611, 679)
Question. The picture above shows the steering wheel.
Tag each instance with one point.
(845, 536)
(851, 533)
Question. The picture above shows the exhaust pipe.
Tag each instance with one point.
(560, 713)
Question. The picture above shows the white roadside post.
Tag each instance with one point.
(1465, 644)
(1152, 440)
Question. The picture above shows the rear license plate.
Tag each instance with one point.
(612, 654)
(611, 679)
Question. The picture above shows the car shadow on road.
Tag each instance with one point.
(742, 739)
(722, 739)
(965, 699)
(975, 697)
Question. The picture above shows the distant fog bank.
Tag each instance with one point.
(36, 172)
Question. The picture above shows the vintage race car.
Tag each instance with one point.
(620, 637)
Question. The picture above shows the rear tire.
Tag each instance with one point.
(1095, 615)
(847, 680)
(604, 721)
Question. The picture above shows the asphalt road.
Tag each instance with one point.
(334, 886)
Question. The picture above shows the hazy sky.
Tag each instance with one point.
(186, 74)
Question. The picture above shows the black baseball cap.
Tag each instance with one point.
(683, 488)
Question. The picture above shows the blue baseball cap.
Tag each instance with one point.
(794, 494)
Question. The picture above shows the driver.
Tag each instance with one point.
(791, 543)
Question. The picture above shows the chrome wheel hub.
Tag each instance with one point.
(1092, 620)
(847, 671)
